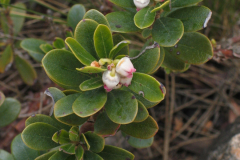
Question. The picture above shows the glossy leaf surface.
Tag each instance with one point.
(5, 155)
(96, 16)
(91, 84)
(61, 137)
(90, 102)
(121, 106)
(68, 148)
(75, 15)
(90, 69)
(142, 130)
(95, 141)
(144, 18)
(117, 38)
(142, 113)
(115, 50)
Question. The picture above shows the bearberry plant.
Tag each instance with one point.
(107, 87)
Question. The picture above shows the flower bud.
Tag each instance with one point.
(110, 82)
(141, 3)
(125, 81)
(125, 68)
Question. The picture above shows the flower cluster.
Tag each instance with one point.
(141, 4)
(118, 74)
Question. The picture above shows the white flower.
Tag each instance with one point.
(125, 68)
(125, 81)
(110, 82)
(141, 3)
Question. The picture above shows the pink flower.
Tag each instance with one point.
(125, 68)
(125, 81)
(110, 82)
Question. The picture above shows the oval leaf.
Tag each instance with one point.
(79, 152)
(42, 140)
(194, 18)
(111, 152)
(22, 152)
(103, 41)
(160, 61)
(193, 48)
(9, 111)
(142, 130)
(103, 126)
(140, 143)
(147, 61)
(46, 47)
(142, 113)
(121, 106)
(74, 134)
(84, 35)
(17, 21)
(80, 53)
(6, 59)
(90, 69)
(96, 142)
(5, 155)
(59, 43)
(96, 16)
(61, 137)
(144, 18)
(26, 71)
(123, 3)
(75, 15)
(122, 22)
(90, 102)
(167, 31)
(68, 148)
(91, 84)
(60, 66)
(147, 86)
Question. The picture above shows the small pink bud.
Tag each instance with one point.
(110, 82)
(125, 68)
(141, 3)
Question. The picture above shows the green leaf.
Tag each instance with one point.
(103, 126)
(61, 137)
(79, 152)
(147, 61)
(91, 84)
(140, 143)
(144, 18)
(121, 106)
(143, 130)
(103, 41)
(5, 3)
(4, 23)
(111, 152)
(194, 18)
(55, 93)
(115, 50)
(123, 3)
(17, 21)
(90, 102)
(88, 155)
(59, 156)
(5, 155)
(162, 6)
(33, 47)
(172, 62)
(84, 141)
(96, 16)
(74, 134)
(95, 141)
(146, 32)
(59, 43)
(75, 15)
(63, 107)
(46, 47)
(72, 120)
(26, 71)
(9, 111)
(70, 91)
(20, 151)
(2, 98)
(60, 66)
(45, 119)
(38, 136)
(122, 22)
(68, 148)
(147, 86)
(80, 53)
(180, 3)
(6, 58)
(117, 38)
(193, 48)
(84, 35)
(167, 31)
(142, 113)
(90, 69)
(160, 61)
(46, 156)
